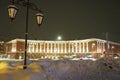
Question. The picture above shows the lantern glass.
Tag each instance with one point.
(39, 17)
(12, 10)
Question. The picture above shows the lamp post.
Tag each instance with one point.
(12, 11)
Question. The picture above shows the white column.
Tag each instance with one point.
(79, 47)
(28, 49)
(58, 47)
(36, 47)
(62, 47)
(47, 47)
(50, 47)
(103, 46)
(83, 48)
(65, 47)
(44, 47)
(69, 48)
(54, 47)
(33, 47)
(87, 47)
(72, 47)
(97, 47)
(100, 46)
(78, 51)
(40, 48)
(75, 47)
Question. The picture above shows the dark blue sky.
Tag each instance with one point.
(72, 19)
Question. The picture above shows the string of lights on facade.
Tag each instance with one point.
(59, 47)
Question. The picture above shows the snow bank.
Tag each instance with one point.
(102, 69)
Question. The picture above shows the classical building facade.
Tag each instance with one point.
(63, 47)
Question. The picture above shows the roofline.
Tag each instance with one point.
(83, 40)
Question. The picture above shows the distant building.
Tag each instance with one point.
(2, 46)
(86, 46)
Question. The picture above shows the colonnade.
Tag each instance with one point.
(60, 47)
(65, 47)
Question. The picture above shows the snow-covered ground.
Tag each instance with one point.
(101, 69)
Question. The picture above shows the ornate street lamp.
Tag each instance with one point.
(39, 18)
(12, 11)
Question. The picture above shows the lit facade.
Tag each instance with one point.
(2, 46)
(85, 46)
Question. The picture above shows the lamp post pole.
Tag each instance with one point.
(12, 10)
(26, 35)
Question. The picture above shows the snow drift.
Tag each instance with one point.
(102, 69)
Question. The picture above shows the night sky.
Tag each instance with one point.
(71, 19)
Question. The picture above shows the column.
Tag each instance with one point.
(50, 47)
(72, 47)
(80, 47)
(44, 47)
(29, 45)
(68, 47)
(87, 47)
(62, 47)
(83, 48)
(58, 47)
(76, 47)
(33, 48)
(54, 46)
(36, 47)
(100, 46)
(65, 47)
(103, 46)
(97, 47)
(40, 47)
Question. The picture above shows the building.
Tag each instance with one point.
(42, 47)
(2, 46)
